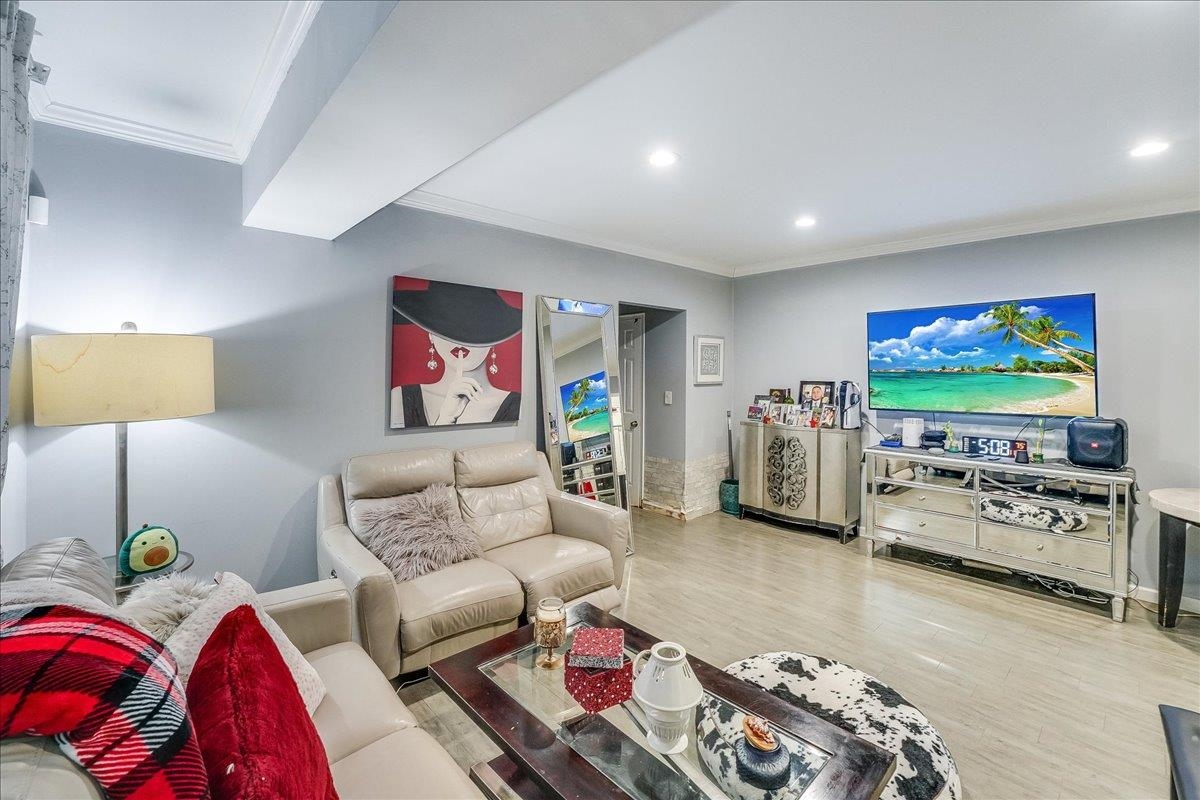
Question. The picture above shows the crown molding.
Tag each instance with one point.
(1180, 205)
(293, 26)
(439, 204)
(130, 130)
(297, 18)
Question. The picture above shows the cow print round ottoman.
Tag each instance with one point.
(861, 704)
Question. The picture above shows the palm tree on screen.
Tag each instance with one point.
(1011, 322)
(1047, 331)
(578, 396)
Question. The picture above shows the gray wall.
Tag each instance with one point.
(301, 329)
(1146, 277)
(666, 342)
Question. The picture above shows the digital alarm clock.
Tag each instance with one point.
(991, 446)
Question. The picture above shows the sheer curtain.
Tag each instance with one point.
(16, 36)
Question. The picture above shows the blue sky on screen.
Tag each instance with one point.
(951, 335)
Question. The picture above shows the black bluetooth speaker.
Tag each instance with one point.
(1097, 443)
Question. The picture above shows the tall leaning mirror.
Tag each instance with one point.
(577, 348)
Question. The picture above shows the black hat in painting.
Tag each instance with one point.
(470, 315)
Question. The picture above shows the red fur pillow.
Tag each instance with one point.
(257, 739)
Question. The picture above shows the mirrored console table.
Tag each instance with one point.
(1054, 520)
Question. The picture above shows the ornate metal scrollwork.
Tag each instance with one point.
(787, 471)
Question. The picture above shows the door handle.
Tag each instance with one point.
(633, 425)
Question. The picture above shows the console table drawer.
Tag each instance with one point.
(1046, 548)
(960, 505)
(920, 523)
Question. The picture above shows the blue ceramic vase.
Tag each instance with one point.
(763, 769)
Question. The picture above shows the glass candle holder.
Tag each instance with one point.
(550, 631)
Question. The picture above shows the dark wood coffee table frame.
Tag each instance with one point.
(857, 769)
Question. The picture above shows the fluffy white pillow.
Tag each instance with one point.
(162, 604)
(230, 592)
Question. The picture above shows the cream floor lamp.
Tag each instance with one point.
(93, 378)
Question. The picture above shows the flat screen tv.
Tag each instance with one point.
(1032, 357)
(585, 407)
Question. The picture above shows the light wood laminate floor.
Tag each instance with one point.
(1036, 698)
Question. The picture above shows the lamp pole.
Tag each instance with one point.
(122, 483)
(122, 429)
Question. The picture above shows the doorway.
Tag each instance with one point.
(652, 356)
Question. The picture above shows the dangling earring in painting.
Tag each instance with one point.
(492, 368)
(432, 363)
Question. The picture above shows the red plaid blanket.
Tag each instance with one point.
(107, 693)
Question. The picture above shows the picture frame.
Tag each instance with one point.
(815, 393)
(761, 399)
(828, 416)
(708, 360)
(755, 412)
(777, 395)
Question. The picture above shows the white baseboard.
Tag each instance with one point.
(1147, 595)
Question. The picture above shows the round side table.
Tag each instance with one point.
(124, 584)
(1177, 508)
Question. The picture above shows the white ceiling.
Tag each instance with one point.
(898, 125)
(193, 75)
(437, 81)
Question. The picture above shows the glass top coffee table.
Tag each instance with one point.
(553, 749)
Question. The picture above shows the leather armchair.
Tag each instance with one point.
(537, 542)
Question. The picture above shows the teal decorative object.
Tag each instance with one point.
(148, 550)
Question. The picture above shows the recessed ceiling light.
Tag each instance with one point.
(1151, 148)
(806, 221)
(663, 158)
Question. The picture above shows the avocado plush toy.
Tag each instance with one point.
(148, 550)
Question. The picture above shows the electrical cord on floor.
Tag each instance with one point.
(1067, 589)
(1137, 582)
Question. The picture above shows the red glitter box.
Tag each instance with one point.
(597, 648)
(598, 689)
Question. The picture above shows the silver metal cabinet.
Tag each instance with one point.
(808, 476)
(1055, 520)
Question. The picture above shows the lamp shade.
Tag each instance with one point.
(86, 378)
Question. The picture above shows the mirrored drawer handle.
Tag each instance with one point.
(921, 524)
(1041, 547)
(921, 497)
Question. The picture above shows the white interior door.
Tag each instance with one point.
(632, 358)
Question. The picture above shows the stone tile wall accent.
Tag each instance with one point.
(684, 490)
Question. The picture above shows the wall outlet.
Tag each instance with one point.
(667, 398)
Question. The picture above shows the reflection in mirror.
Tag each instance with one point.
(580, 396)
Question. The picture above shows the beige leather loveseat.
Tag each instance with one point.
(538, 542)
(373, 742)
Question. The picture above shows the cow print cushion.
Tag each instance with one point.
(1014, 512)
(861, 704)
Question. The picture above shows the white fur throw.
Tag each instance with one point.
(232, 592)
(160, 605)
(418, 533)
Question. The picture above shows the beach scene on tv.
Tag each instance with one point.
(585, 407)
(1035, 356)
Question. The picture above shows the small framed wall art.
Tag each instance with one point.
(709, 360)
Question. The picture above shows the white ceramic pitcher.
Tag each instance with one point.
(667, 690)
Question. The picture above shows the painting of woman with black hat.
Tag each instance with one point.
(456, 354)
